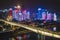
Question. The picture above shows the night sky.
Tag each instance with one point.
(52, 5)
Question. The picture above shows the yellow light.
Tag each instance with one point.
(34, 29)
(19, 6)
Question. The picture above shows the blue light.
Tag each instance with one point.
(39, 8)
(28, 12)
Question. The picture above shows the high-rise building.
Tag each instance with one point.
(24, 15)
(48, 16)
(43, 15)
(39, 14)
(28, 15)
(55, 17)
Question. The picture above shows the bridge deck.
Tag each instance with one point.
(35, 29)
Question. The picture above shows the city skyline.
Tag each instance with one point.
(51, 5)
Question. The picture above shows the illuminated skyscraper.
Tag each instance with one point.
(15, 16)
(43, 15)
(24, 15)
(39, 14)
(28, 15)
(55, 17)
(52, 17)
(10, 11)
(48, 16)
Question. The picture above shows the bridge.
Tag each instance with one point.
(38, 30)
